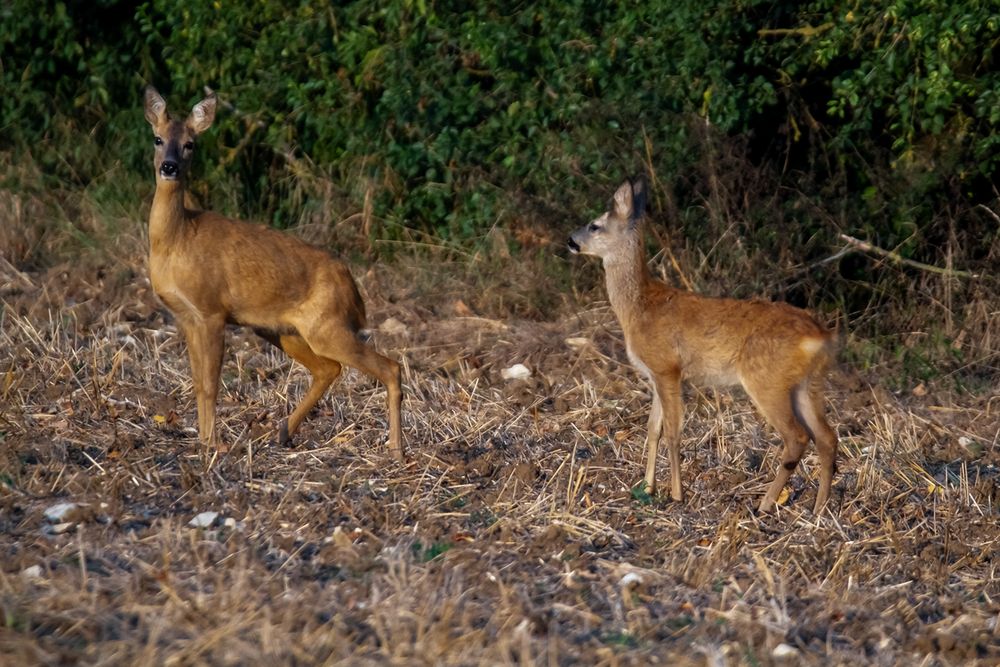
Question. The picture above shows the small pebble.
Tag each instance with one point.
(60, 511)
(516, 372)
(204, 520)
(784, 651)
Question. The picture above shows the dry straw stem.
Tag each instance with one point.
(510, 535)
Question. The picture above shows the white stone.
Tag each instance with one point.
(516, 372)
(204, 520)
(60, 511)
(784, 651)
(629, 580)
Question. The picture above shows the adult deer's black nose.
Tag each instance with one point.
(169, 169)
(573, 246)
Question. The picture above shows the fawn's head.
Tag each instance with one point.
(174, 139)
(608, 234)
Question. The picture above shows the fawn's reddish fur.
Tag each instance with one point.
(778, 353)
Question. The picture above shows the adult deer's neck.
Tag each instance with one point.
(626, 276)
(166, 217)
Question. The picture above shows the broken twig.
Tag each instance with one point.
(896, 257)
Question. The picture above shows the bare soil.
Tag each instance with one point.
(511, 533)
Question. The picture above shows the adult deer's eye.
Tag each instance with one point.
(157, 141)
(189, 146)
(594, 227)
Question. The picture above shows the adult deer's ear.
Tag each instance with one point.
(155, 106)
(203, 114)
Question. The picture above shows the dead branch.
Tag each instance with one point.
(896, 257)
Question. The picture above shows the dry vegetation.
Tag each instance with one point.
(510, 535)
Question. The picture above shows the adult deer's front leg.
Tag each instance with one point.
(205, 338)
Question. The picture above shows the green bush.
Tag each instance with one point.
(879, 119)
(460, 117)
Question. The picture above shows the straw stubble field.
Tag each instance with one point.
(511, 534)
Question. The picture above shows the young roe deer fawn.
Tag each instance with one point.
(778, 353)
(210, 270)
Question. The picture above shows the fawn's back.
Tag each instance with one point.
(719, 341)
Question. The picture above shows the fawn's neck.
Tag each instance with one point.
(167, 217)
(626, 276)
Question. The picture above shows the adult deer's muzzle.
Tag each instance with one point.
(169, 169)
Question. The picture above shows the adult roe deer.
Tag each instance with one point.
(778, 353)
(210, 270)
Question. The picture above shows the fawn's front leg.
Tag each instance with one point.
(653, 430)
(668, 389)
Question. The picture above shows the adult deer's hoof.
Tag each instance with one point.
(284, 440)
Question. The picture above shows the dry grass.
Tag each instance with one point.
(510, 535)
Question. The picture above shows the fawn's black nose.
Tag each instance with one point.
(169, 169)
(573, 246)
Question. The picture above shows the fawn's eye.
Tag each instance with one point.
(157, 141)
(594, 227)
(189, 146)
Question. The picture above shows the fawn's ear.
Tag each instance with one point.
(638, 198)
(623, 206)
(203, 114)
(155, 106)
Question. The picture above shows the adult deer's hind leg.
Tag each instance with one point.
(324, 372)
(344, 346)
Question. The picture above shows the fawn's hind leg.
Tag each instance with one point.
(776, 406)
(808, 403)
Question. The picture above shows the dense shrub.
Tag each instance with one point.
(768, 127)
(459, 115)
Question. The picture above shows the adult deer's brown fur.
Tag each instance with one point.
(776, 352)
(211, 270)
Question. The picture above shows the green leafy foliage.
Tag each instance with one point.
(640, 495)
(460, 115)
